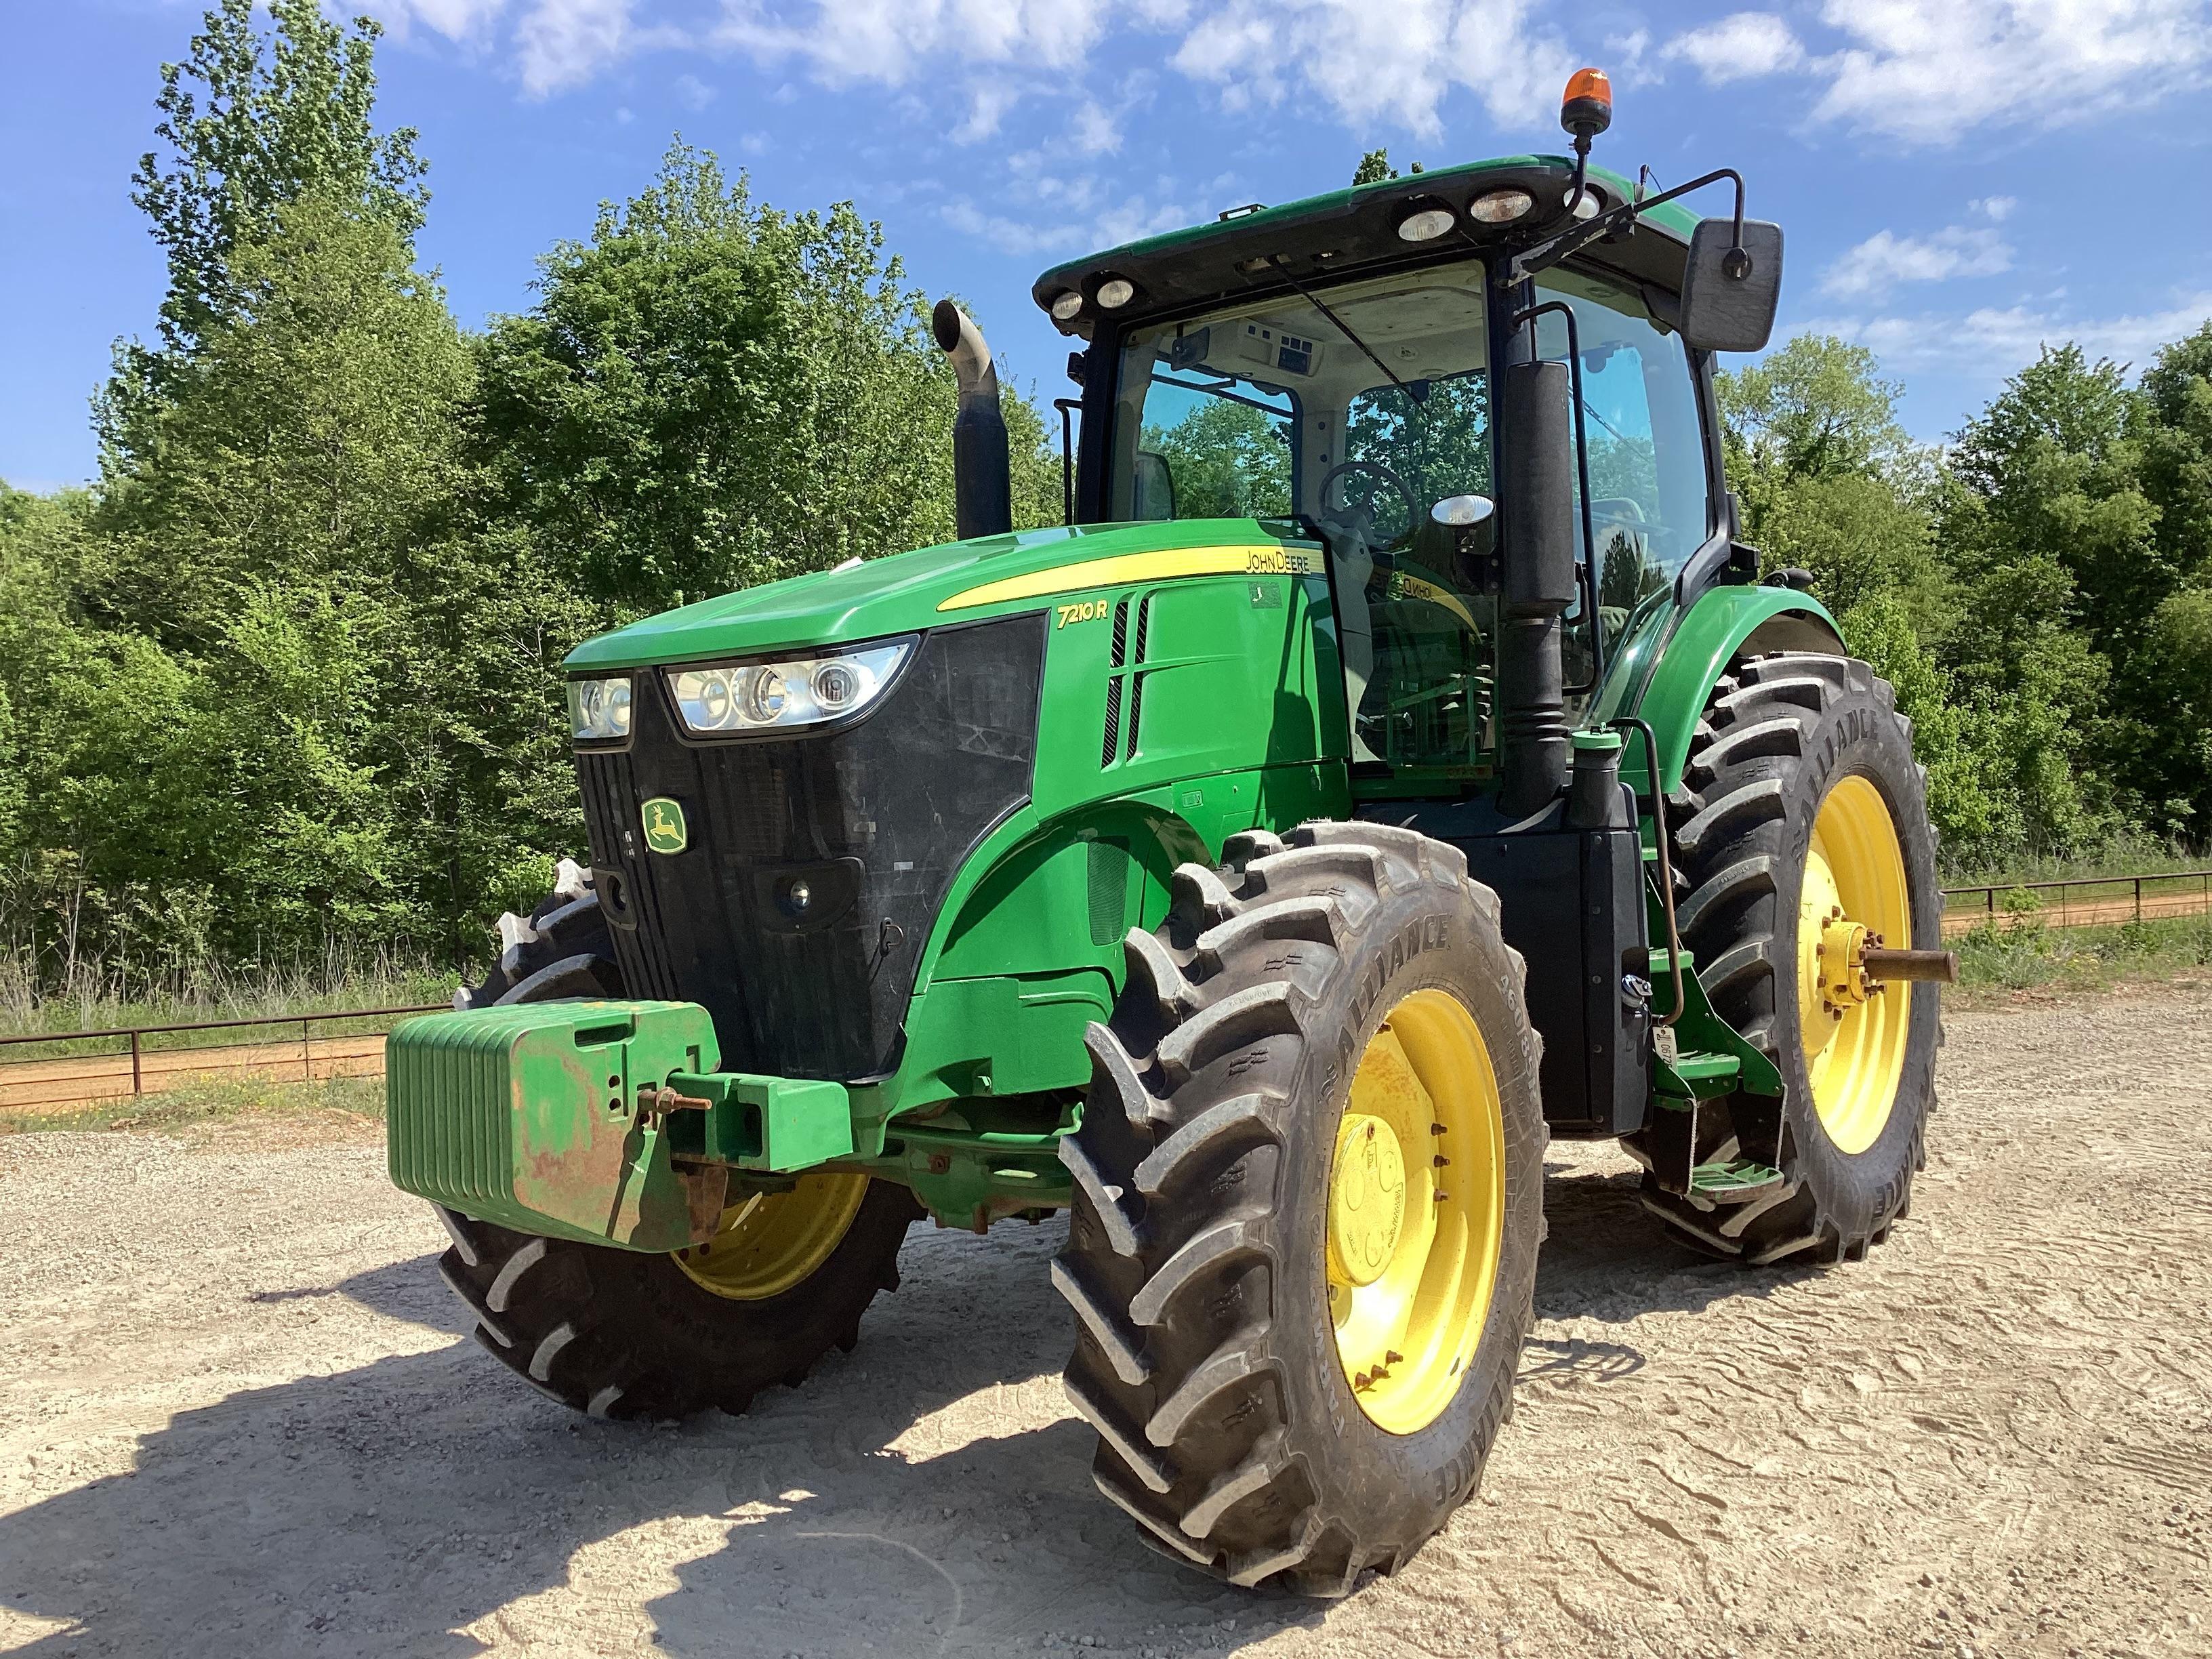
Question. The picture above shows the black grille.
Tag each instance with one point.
(873, 821)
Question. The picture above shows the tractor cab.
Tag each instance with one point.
(1332, 366)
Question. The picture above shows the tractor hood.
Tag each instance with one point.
(931, 586)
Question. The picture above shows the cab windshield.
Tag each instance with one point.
(1359, 419)
(1362, 410)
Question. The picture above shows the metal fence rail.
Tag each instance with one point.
(2085, 901)
(143, 1061)
(140, 1059)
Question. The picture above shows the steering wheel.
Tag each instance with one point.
(1360, 520)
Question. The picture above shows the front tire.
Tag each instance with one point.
(1313, 1140)
(624, 1334)
(1809, 810)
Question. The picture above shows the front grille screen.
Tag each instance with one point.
(816, 863)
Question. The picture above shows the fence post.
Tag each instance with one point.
(2138, 898)
(137, 1082)
(306, 1056)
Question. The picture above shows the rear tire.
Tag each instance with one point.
(1781, 734)
(1199, 1261)
(623, 1334)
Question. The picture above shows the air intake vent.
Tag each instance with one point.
(1121, 634)
(1113, 722)
(1112, 870)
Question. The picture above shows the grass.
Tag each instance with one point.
(216, 1100)
(2020, 953)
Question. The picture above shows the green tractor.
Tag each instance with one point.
(1396, 760)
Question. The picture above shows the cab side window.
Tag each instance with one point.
(1651, 505)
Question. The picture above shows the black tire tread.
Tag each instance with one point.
(1172, 1364)
(617, 1333)
(1740, 780)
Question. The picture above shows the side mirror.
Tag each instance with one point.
(1728, 299)
(1461, 512)
(1154, 492)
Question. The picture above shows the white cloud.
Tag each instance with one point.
(1750, 43)
(694, 94)
(895, 40)
(466, 20)
(1929, 72)
(1367, 61)
(1996, 209)
(563, 43)
(1372, 61)
(1885, 259)
(1996, 340)
(1109, 226)
(1094, 131)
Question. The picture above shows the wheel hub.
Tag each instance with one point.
(1854, 897)
(1366, 1199)
(1416, 1212)
(1844, 981)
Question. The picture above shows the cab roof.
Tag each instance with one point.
(1356, 229)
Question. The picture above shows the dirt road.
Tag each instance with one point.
(239, 1416)
(57, 1085)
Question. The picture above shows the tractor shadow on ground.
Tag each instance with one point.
(922, 1495)
(1608, 1258)
(925, 1494)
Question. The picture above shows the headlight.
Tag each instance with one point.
(755, 696)
(598, 710)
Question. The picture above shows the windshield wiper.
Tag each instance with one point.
(1223, 391)
(1282, 264)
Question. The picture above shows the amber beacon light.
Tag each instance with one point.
(1586, 106)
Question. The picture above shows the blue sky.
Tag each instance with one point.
(1959, 180)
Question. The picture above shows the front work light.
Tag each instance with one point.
(760, 696)
(598, 710)
(1501, 207)
(1065, 307)
(1115, 292)
(1425, 219)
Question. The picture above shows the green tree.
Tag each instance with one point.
(711, 393)
(1229, 460)
(252, 123)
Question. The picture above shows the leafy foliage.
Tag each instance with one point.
(711, 393)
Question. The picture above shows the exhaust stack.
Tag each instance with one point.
(1536, 504)
(982, 493)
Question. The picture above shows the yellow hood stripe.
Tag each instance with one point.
(1126, 567)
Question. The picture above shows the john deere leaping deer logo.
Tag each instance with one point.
(664, 826)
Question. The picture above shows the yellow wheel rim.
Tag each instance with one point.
(774, 1240)
(1854, 894)
(1416, 1212)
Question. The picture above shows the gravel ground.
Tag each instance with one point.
(239, 1414)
